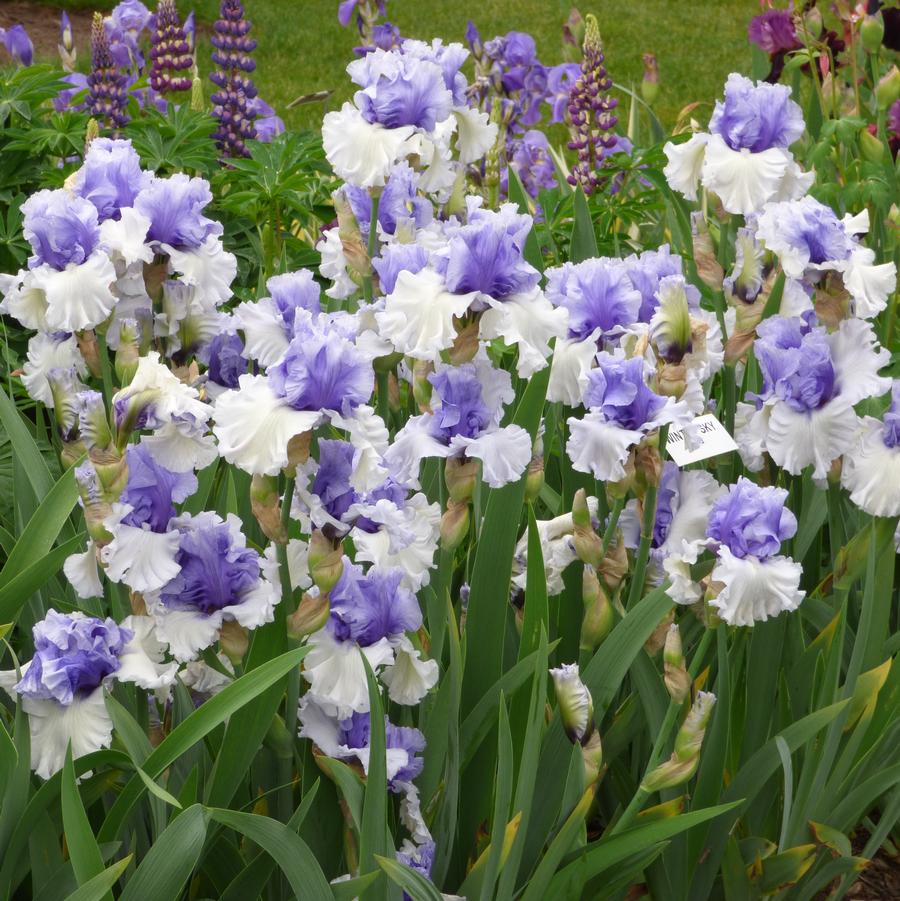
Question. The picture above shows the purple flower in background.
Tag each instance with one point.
(321, 370)
(61, 229)
(111, 176)
(617, 389)
(399, 202)
(79, 84)
(399, 88)
(751, 521)
(385, 36)
(463, 410)
(515, 52)
(486, 254)
(645, 273)
(590, 112)
(598, 295)
(268, 125)
(107, 86)
(17, 43)
(418, 857)
(773, 31)
(796, 363)
(890, 431)
(152, 490)
(355, 734)
(174, 206)
(561, 80)
(131, 16)
(397, 258)
(236, 91)
(170, 53)
(368, 607)
(216, 571)
(533, 163)
(756, 117)
(224, 359)
(332, 482)
(73, 654)
(294, 291)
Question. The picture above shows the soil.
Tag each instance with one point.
(42, 24)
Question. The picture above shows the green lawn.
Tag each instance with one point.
(302, 48)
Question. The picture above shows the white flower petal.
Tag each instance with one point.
(529, 321)
(254, 426)
(85, 723)
(505, 453)
(265, 338)
(180, 448)
(755, 589)
(143, 560)
(600, 447)
(572, 361)
(409, 678)
(418, 315)
(257, 606)
(186, 632)
(871, 472)
(869, 285)
(141, 660)
(475, 133)
(336, 675)
(684, 164)
(127, 236)
(360, 152)
(46, 352)
(79, 296)
(744, 181)
(209, 269)
(24, 300)
(83, 574)
(796, 440)
(857, 358)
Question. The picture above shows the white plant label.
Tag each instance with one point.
(705, 437)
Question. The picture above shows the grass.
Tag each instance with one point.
(302, 48)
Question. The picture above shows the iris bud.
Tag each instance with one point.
(871, 32)
(576, 706)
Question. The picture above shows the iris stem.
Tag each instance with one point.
(618, 505)
(373, 241)
(662, 739)
(649, 521)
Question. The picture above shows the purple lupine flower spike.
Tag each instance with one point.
(590, 112)
(107, 91)
(170, 52)
(232, 102)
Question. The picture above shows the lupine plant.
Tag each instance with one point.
(421, 511)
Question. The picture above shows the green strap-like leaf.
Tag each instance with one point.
(288, 850)
(200, 723)
(584, 241)
(84, 852)
(98, 888)
(168, 865)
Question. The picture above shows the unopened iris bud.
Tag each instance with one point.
(265, 502)
(93, 422)
(708, 267)
(576, 706)
(588, 545)
(888, 88)
(650, 82)
(325, 559)
(466, 343)
(592, 755)
(95, 506)
(615, 563)
(454, 524)
(670, 328)
(671, 380)
(310, 616)
(91, 131)
(234, 640)
(128, 352)
(534, 478)
(278, 739)
(685, 758)
(90, 351)
(871, 32)
(812, 23)
(64, 388)
(352, 243)
(298, 451)
(871, 148)
(598, 612)
(461, 476)
(422, 387)
(678, 682)
(198, 101)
